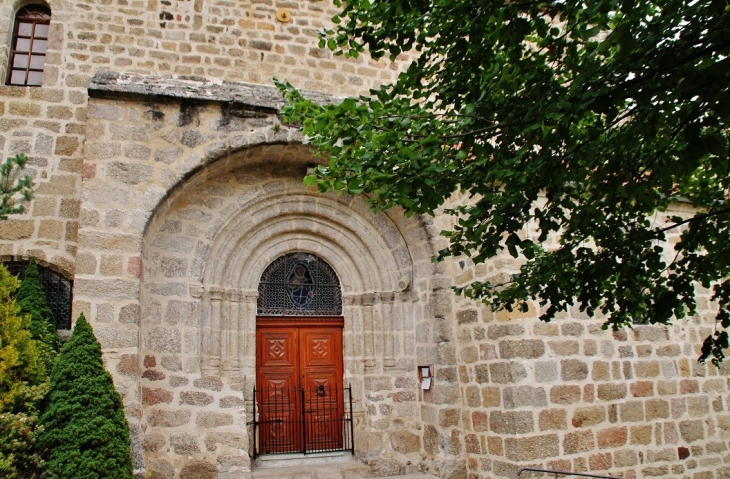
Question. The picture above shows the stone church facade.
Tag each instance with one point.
(166, 185)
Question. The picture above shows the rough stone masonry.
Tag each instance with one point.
(166, 184)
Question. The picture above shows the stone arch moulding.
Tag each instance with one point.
(50, 4)
(282, 223)
(275, 215)
(61, 269)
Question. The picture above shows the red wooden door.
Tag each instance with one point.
(299, 379)
(277, 352)
(321, 372)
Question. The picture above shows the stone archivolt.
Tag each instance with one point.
(240, 217)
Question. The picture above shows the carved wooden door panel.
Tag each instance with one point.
(277, 351)
(299, 379)
(321, 372)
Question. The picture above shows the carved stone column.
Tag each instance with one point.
(407, 301)
(197, 293)
(352, 335)
(247, 332)
(388, 350)
(368, 300)
(353, 326)
(212, 357)
(230, 353)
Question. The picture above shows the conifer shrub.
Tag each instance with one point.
(85, 433)
(31, 298)
(19, 430)
(23, 384)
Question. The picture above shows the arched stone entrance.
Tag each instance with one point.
(299, 399)
(204, 252)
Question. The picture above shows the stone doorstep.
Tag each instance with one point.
(325, 466)
(304, 460)
(303, 469)
(333, 471)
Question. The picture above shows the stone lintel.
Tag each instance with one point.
(128, 86)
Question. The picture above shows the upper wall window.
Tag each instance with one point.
(30, 41)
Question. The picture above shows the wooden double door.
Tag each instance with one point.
(299, 384)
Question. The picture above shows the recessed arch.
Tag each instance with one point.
(331, 226)
(213, 234)
(340, 257)
(273, 206)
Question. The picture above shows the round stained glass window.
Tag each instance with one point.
(299, 284)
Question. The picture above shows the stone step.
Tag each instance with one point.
(328, 466)
(295, 460)
(341, 470)
(328, 472)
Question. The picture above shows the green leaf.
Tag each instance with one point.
(582, 135)
(348, 104)
(310, 180)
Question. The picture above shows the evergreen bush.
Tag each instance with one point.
(23, 384)
(85, 433)
(15, 190)
(31, 298)
(19, 431)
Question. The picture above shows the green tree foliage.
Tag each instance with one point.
(15, 189)
(85, 433)
(20, 363)
(22, 385)
(23, 379)
(31, 299)
(18, 433)
(583, 119)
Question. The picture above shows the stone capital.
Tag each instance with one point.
(196, 291)
(351, 299)
(408, 296)
(368, 299)
(215, 293)
(387, 297)
(233, 295)
(250, 296)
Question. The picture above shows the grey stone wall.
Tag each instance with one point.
(570, 395)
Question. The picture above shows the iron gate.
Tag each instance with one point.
(302, 420)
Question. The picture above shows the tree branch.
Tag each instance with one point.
(694, 218)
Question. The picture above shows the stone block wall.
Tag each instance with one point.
(218, 40)
(569, 395)
(48, 125)
(241, 41)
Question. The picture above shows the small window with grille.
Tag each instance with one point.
(299, 284)
(58, 290)
(30, 42)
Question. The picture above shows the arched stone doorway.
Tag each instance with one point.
(204, 253)
(299, 395)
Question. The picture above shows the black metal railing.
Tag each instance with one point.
(563, 473)
(299, 420)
